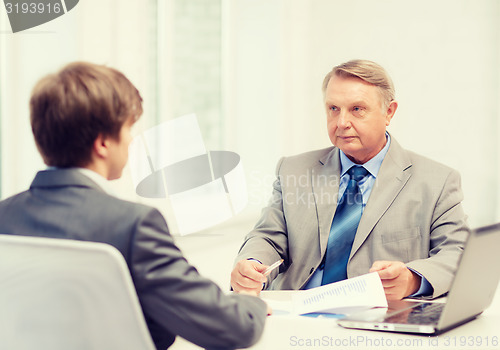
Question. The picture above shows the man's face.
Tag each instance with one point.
(356, 119)
(118, 149)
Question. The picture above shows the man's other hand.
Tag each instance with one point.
(398, 281)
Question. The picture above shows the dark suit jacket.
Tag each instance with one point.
(175, 299)
(414, 215)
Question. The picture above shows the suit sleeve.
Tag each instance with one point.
(268, 241)
(448, 233)
(178, 300)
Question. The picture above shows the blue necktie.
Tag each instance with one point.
(344, 226)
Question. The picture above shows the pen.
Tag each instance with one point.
(272, 267)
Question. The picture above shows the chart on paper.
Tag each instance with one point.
(342, 297)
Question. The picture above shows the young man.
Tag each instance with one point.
(81, 119)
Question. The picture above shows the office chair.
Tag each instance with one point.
(58, 294)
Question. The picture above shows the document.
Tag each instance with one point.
(343, 297)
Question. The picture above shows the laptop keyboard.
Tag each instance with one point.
(426, 313)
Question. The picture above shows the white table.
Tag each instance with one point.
(301, 333)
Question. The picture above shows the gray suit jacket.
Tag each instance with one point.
(175, 299)
(414, 215)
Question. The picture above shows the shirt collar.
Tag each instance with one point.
(373, 165)
(99, 180)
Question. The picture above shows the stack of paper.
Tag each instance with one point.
(344, 297)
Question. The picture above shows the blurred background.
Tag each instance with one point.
(252, 71)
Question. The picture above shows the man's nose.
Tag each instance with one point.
(344, 120)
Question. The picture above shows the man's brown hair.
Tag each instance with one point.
(368, 71)
(71, 108)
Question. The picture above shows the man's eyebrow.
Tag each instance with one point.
(354, 103)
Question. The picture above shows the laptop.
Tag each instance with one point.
(471, 292)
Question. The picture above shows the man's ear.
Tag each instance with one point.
(101, 145)
(391, 110)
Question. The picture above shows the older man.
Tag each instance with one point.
(364, 205)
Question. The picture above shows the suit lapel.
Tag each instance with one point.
(392, 177)
(325, 186)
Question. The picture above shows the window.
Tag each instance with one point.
(189, 55)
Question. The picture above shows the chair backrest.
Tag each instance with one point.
(58, 294)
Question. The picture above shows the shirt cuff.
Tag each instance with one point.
(425, 287)
(252, 259)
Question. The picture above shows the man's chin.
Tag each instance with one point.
(348, 146)
(351, 151)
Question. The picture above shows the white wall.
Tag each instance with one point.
(443, 57)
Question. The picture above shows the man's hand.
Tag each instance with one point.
(247, 276)
(397, 279)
